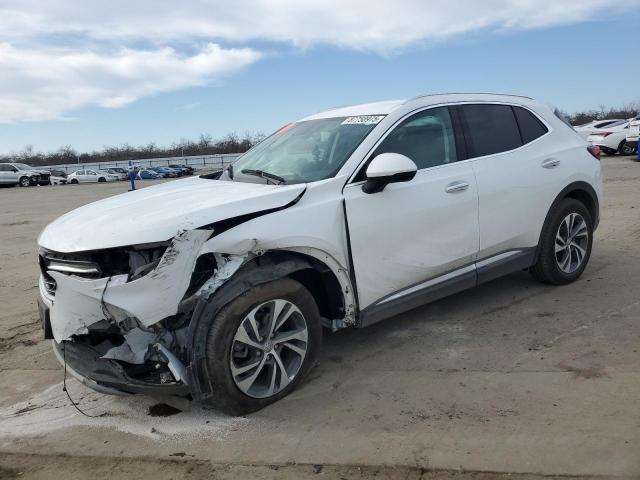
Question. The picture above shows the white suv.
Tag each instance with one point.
(217, 287)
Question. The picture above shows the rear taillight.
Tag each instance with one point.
(594, 150)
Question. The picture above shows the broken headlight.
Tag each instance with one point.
(135, 261)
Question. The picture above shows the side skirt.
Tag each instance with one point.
(448, 284)
(504, 264)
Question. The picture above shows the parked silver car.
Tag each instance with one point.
(23, 175)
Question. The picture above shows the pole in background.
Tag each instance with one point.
(132, 176)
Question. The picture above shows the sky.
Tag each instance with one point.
(90, 74)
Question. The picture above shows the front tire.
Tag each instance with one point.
(73, 181)
(24, 181)
(261, 346)
(565, 245)
(102, 180)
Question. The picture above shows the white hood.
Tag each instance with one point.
(158, 213)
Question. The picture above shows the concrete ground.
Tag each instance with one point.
(513, 377)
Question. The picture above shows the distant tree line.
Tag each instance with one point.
(231, 143)
(205, 145)
(603, 112)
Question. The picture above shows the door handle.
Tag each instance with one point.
(550, 163)
(456, 187)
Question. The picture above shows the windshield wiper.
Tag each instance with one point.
(263, 174)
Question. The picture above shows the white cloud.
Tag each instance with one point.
(42, 84)
(378, 25)
(100, 61)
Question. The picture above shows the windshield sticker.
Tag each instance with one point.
(284, 128)
(363, 120)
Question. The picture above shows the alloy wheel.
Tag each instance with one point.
(572, 240)
(268, 348)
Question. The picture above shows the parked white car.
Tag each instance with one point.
(57, 176)
(217, 287)
(592, 127)
(612, 139)
(90, 176)
(118, 173)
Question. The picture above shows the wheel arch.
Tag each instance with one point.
(580, 191)
(320, 279)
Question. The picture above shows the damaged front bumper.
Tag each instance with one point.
(109, 376)
(126, 333)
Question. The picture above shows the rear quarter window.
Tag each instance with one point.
(491, 129)
(531, 127)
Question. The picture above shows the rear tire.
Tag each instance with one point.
(73, 181)
(102, 180)
(240, 388)
(565, 244)
(625, 148)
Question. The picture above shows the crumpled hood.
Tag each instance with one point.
(158, 213)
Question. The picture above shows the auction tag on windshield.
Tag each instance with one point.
(363, 120)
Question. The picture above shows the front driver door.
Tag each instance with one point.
(415, 235)
(11, 174)
(91, 176)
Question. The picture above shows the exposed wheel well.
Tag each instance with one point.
(319, 279)
(313, 274)
(324, 287)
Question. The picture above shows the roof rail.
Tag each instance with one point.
(465, 93)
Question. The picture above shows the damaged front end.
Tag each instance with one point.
(119, 317)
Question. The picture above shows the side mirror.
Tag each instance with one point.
(388, 168)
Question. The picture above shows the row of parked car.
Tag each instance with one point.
(12, 174)
(613, 135)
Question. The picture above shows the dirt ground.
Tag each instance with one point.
(511, 380)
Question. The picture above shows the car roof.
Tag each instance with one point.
(386, 107)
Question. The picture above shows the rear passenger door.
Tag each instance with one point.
(513, 161)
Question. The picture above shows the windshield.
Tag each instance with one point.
(303, 151)
(22, 166)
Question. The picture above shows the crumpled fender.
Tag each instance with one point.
(79, 302)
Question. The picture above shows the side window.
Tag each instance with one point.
(491, 129)
(530, 126)
(4, 168)
(427, 138)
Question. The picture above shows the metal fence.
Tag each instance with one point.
(203, 162)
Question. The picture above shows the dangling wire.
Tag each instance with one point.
(64, 383)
